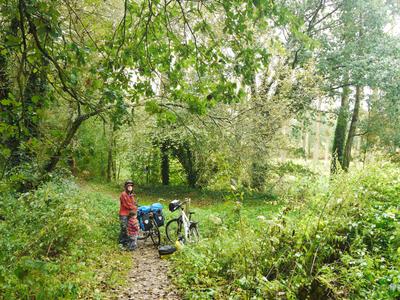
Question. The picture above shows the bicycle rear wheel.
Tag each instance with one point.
(173, 230)
(194, 235)
(155, 234)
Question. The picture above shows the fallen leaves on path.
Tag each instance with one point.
(148, 279)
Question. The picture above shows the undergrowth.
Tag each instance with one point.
(341, 243)
(59, 242)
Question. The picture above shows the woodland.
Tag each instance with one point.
(280, 119)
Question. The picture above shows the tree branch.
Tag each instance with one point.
(61, 75)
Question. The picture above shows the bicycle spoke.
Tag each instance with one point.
(155, 234)
(194, 236)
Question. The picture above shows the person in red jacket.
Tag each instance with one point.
(128, 217)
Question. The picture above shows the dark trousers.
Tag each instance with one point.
(123, 235)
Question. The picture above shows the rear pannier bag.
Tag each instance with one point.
(156, 208)
(144, 218)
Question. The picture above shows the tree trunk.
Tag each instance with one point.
(340, 130)
(55, 157)
(306, 137)
(118, 170)
(326, 155)
(164, 164)
(52, 162)
(187, 160)
(192, 174)
(352, 130)
(283, 151)
(72, 165)
(8, 114)
(109, 163)
(4, 115)
(103, 170)
(114, 157)
(365, 139)
(111, 168)
(317, 136)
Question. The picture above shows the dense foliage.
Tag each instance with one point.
(194, 88)
(59, 242)
(338, 244)
(261, 103)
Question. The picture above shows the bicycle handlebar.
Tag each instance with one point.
(182, 203)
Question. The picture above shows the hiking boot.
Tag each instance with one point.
(132, 246)
(123, 247)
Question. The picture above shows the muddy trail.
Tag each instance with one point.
(148, 278)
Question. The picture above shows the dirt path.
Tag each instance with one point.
(148, 278)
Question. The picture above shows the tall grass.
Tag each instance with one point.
(341, 243)
(59, 242)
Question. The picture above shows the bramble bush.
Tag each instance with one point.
(342, 243)
(58, 242)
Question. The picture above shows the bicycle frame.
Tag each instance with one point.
(185, 223)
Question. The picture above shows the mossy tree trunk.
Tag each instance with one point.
(164, 164)
(187, 159)
(339, 139)
(352, 129)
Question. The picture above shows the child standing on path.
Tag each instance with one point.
(128, 217)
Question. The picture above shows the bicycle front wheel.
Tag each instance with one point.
(173, 230)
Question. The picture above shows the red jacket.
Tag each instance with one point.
(127, 203)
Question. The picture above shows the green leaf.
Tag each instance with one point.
(35, 98)
(6, 102)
